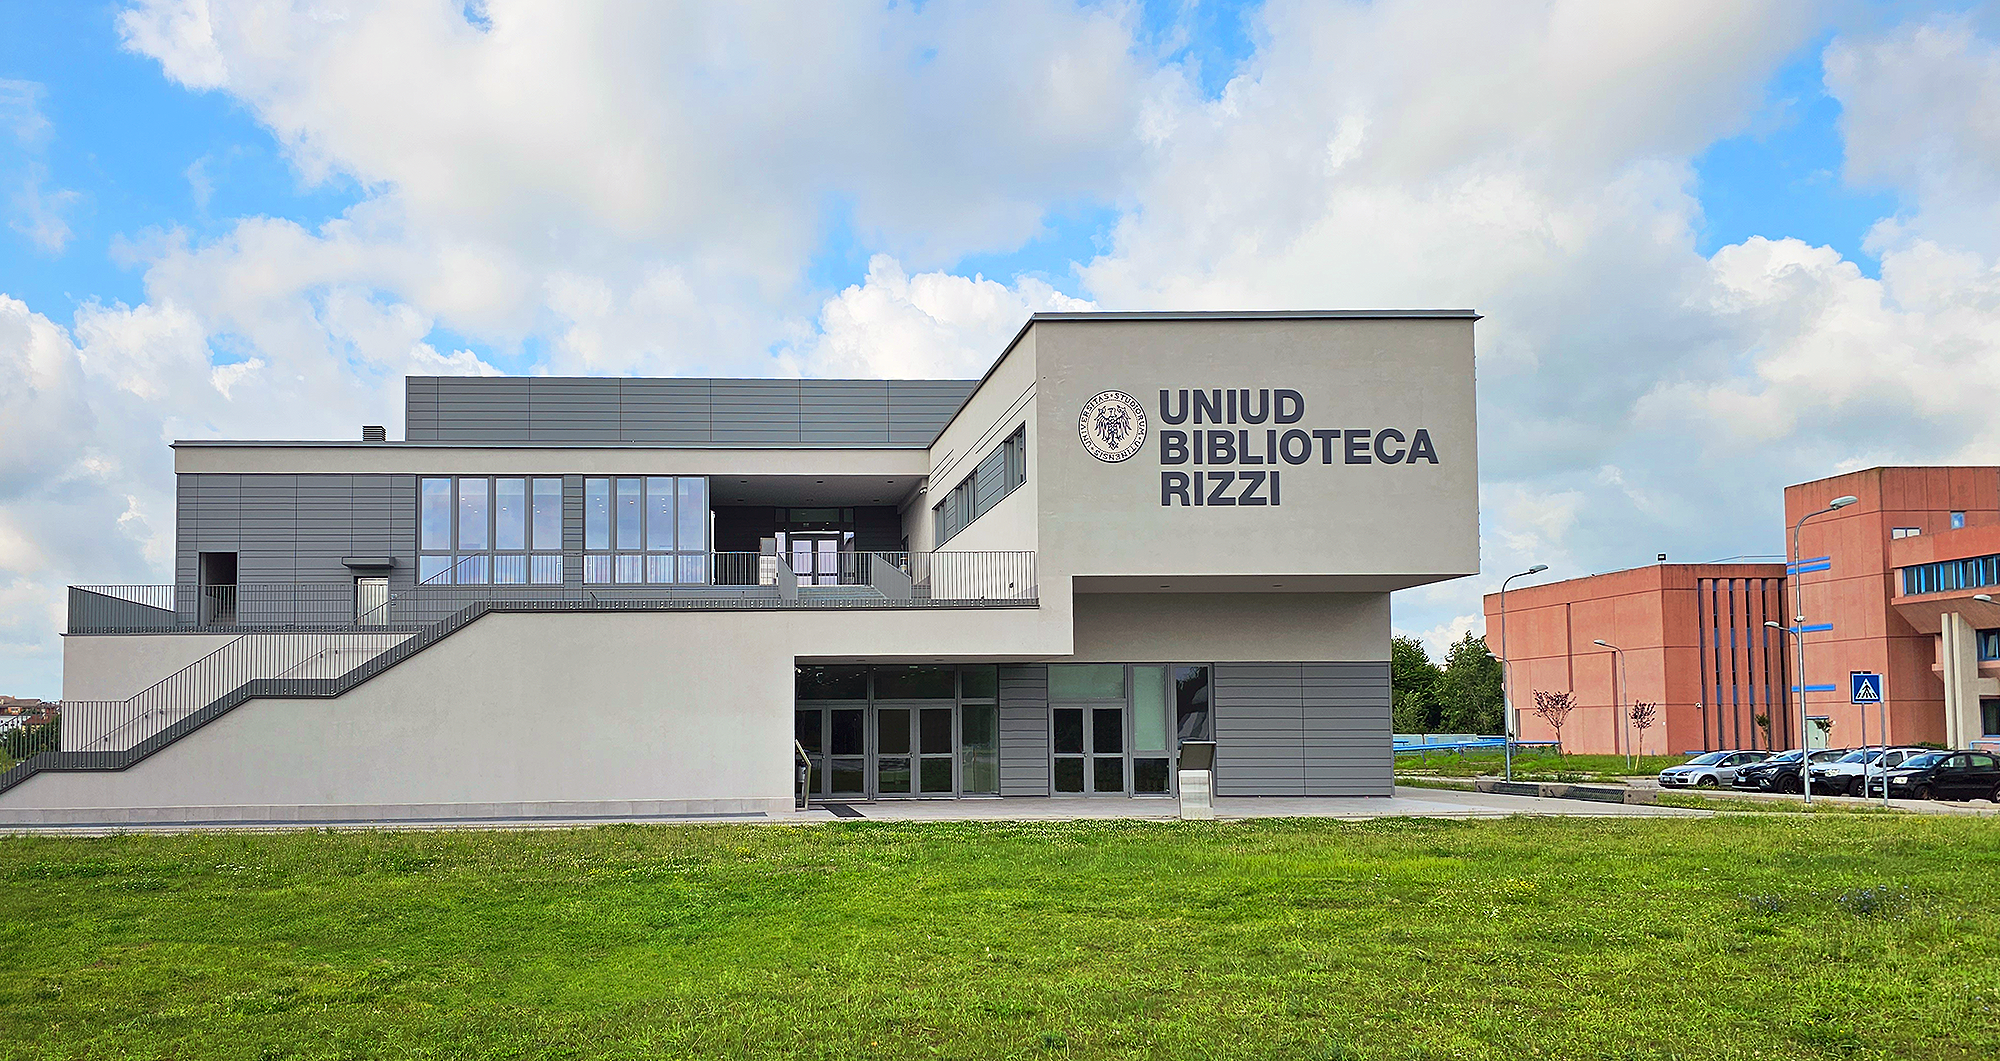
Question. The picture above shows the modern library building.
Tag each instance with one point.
(571, 598)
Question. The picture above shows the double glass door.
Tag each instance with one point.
(815, 558)
(1089, 746)
(864, 752)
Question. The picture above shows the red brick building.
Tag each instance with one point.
(1694, 641)
(1886, 584)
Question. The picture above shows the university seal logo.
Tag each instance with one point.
(1113, 426)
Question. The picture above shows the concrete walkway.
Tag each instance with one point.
(1406, 803)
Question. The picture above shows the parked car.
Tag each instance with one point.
(1944, 775)
(1711, 770)
(1848, 776)
(1780, 773)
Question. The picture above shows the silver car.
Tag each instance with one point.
(1712, 770)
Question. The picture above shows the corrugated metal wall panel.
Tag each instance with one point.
(756, 410)
(844, 412)
(420, 420)
(1024, 729)
(1347, 731)
(1259, 730)
(683, 412)
(288, 529)
(665, 411)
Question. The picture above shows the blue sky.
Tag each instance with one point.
(1697, 229)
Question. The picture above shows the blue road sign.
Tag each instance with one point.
(1866, 687)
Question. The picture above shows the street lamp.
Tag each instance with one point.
(1507, 670)
(1619, 655)
(1796, 636)
(1799, 620)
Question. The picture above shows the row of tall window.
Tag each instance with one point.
(501, 530)
(645, 529)
(475, 530)
(1947, 575)
(998, 474)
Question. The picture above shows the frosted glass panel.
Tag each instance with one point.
(1149, 709)
(1086, 681)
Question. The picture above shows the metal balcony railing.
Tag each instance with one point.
(729, 581)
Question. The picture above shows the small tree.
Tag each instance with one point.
(1553, 707)
(1413, 680)
(1644, 714)
(1764, 723)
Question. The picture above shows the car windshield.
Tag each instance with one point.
(1863, 756)
(1707, 760)
(1918, 762)
(1785, 757)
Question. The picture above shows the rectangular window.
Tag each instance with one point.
(1958, 521)
(434, 513)
(597, 514)
(475, 531)
(510, 516)
(473, 497)
(660, 516)
(1192, 720)
(693, 514)
(1149, 709)
(998, 474)
(629, 514)
(548, 516)
(1903, 532)
(1086, 681)
(1989, 644)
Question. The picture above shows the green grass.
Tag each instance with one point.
(1779, 936)
(1538, 767)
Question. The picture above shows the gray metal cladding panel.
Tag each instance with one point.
(1024, 729)
(572, 530)
(573, 410)
(420, 421)
(844, 412)
(756, 411)
(670, 411)
(1259, 729)
(681, 412)
(1347, 729)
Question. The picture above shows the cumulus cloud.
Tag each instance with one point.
(36, 210)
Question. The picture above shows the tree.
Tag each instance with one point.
(1763, 722)
(1413, 680)
(1644, 714)
(1469, 690)
(1553, 708)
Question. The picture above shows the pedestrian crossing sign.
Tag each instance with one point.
(1867, 687)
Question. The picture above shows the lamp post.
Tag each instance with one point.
(1507, 669)
(1798, 637)
(1799, 621)
(1618, 654)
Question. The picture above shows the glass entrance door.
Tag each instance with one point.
(816, 559)
(913, 752)
(1089, 745)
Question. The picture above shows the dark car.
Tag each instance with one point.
(1780, 773)
(1944, 775)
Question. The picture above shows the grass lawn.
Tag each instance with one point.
(1537, 767)
(1754, 936)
